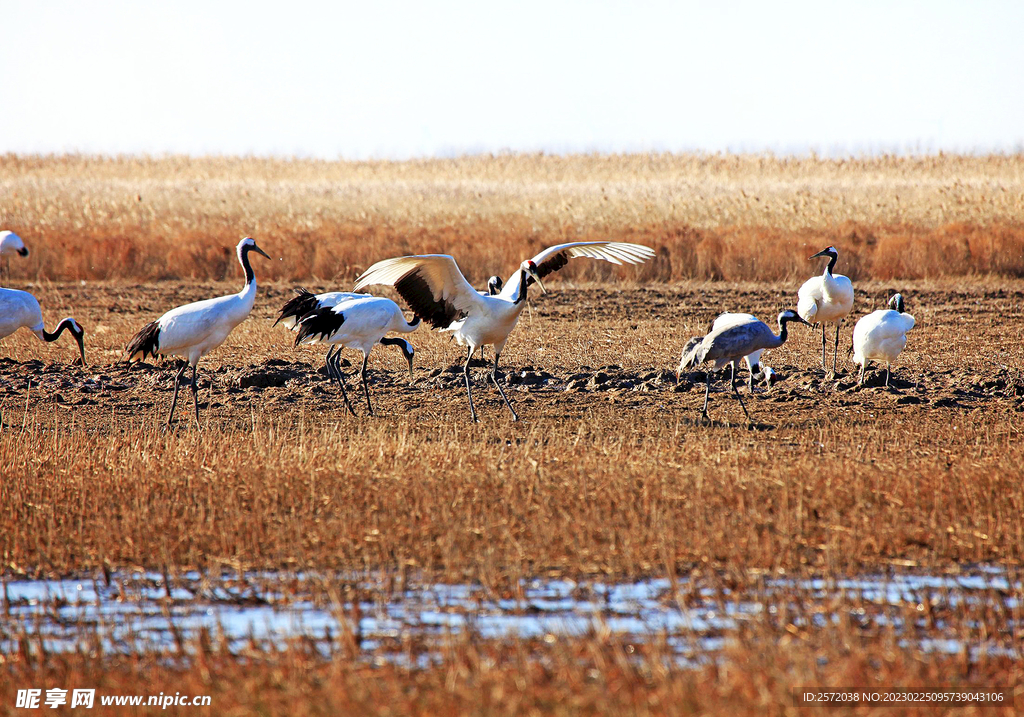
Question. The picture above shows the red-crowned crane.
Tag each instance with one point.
(881, 336)
(357, 321)
(193, 330)
(20, 309)
(826, 299)
(435, 289)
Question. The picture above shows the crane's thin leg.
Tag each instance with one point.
(195, 398)
(835, 352)
(174, 401)
(327, 363)
(366, 390)
(469, 391)
(732, 380)
(860, 381)
(887, 374)
(823, 367)
(707, 392)
(341, 382)
(494, 377)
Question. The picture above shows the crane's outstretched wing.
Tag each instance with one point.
(431, 285)
(554, 258)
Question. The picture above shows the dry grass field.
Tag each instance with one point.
(709, 217)
(610, 478)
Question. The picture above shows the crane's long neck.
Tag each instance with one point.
(406, 327)
(519, 295)
(832, 259)
(250, 276)
(783, 332)
(65, 324)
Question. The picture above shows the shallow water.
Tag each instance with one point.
(140, 613)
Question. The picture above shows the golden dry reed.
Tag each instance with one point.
(709, 216)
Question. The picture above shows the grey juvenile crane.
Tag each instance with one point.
(729, 343)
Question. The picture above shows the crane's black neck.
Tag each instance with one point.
(784, 328)
(65, 324)
(521, 294)
(243, 257)
(400, 343)
(832, 259)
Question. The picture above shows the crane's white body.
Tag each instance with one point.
(880, 336)
(367, 319)
(825, 299)
(194, 330)
(437, 291)
(19, 309)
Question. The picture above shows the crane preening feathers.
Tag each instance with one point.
(193, 330)
(881, 336)
(20, 309)
(826, 299)
(352, 320)
(731, 341)
(435, 289)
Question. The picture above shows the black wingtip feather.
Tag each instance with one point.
(146, 342)
(299, 306)
(322, 323)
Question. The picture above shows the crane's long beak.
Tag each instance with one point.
(257, 249)
(823, 252)
(80, 339)
(411, 377)
(539, 282)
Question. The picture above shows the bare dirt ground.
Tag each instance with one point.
(574, 351)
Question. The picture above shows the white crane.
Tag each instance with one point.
(826, 299)
(193, 330)
(357, 321)
(20, 309)
(436, 291)
(881, 336)
(730, 342)
(10, 244)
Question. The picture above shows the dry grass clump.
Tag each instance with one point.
(718, 217)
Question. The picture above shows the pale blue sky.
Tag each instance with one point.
(400, 79)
